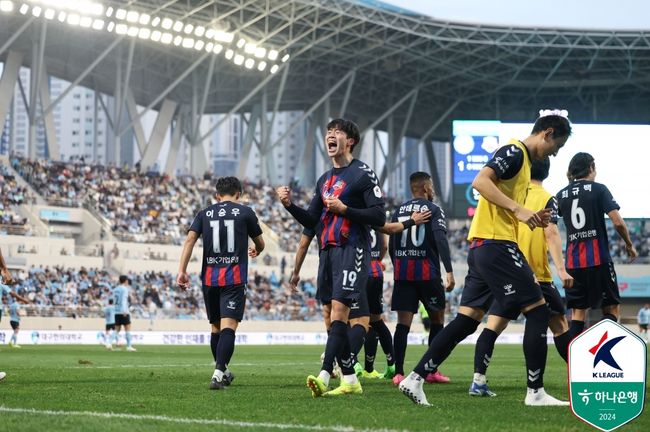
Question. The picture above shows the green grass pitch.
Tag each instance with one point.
(165, 388)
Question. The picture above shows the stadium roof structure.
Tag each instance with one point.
(386, 68)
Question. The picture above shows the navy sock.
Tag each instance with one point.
(370, 350)
(356, 335)
(385, 339)
(535, 345)
(433, 331)
(214, 342)
(562, 344)
(338, 346)
(226, 348)
(444, 343)
(484, 349)
(576, 327)
(400, 341)
(610, 316)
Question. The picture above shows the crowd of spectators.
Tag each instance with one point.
(12, 195)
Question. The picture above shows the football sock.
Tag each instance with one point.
(370, 350)
(483, 351)
(385, 339)
(14, 338)
(214, 343)
(433, 331)
(610, 316)
(337, 336)
(562, 344)
(444, 343)
(128, 338)
(576, 327)
(400, 341)
(226, 348)
(535, 345)
(356, 335)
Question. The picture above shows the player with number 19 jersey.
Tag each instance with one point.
(225, 228)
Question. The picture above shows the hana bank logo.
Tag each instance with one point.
(602, 353)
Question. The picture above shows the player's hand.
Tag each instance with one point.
(252, 252)
(532, 219)
(183, 280)
(284, 195)
(421, 217)
(335, 206)
(567, 280)
(451, 282)
(293, 282)
(631, 252)
(7, 279)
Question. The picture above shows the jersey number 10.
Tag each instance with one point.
(417, 233)
(230, 235)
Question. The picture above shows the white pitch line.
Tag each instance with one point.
(183, 420)
(154, 366)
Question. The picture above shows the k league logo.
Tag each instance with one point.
(607, 375)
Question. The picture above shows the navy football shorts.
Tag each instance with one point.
(593, 287)
(498, 271)
(224, 302)
(375, 294)
(343, 275)
(408, 294)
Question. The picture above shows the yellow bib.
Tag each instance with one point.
(533, 243)
(492, 222)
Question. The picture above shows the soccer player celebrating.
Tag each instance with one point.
(582, 205)
(121, 295)
(535, 245)
(225, 228)
(497, 267)
(416, 256)
(346, 202)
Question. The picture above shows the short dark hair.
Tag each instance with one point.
(124, 279)
(539, 169)
(419, 176)
(228, 186)
(580, 165)
(110, 301)
(561, 126)
(348, 126)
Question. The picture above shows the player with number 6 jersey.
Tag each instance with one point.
(583, 204)
(225, 228)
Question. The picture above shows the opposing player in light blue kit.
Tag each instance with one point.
(109, 315)
(122, 316)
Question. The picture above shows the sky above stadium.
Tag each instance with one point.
(571, 14)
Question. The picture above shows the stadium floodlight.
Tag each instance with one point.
(121, 29)
(36, 11)
(109, 11)
(178, 26)
(120, 14)
(133, 31)
(250, 48)
(144, 33)
(86, 22)
(217, 48)
(178, 40)
(261, 66)
(285, 58)
(229, 54)
(110, 26)
(73, 19)
(222, 36)
(274, 68)
(260, 52)
(188, 42)
(155, 22)
(249, 63)
(6, 6)
(188, 28)
(144, 19)
(273, 55)
(209, 46)
(23, 9)
(209, 33)
(156, 35)
(62, 16)
(199, 31)
(199, 45)
(98, 24)
(166, 38)
(241, 42)
(132, 16)
(167, 23)
(49, 14)
(238, 60)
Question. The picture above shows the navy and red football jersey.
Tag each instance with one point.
(376, 244)
(225, 228)
(583, 205)
(414, 251)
